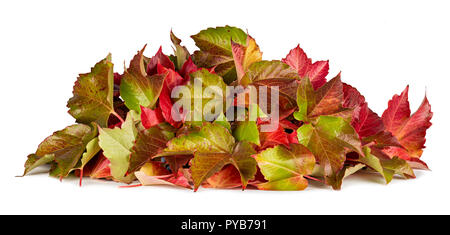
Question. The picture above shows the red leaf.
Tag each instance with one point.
(100, 169)
(228, 177)
(272, 139)
(159, 58)
(352, 97)
(317, 73)
(409, 130)
(397, 113)
(366, 122)
(298, 60)
(188, 68)
(151, 117)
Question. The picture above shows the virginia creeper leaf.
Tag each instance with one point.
(244, 56)
(116, 145)
(148, 143)
(215, 50)
(329, 140)
(247, 131)
(284, 169)
(327, 100)
(137, 88)
(409, 129)
(299, 61)
(92, 99)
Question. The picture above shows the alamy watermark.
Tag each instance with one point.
(199, 102)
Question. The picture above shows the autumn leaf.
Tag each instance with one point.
(410, 130)
(159, 59)
(213, 148)
(245, 55)
(92, 99)
(226, 178)
(150, 117)
(64, 147)
(247, 131)
(275, 75)
(137, 88)
(316, 72)
(116, 145)
(285, 168)
(148, 143)
(181, 52)
(327, 100)
(329, 140)
(153, 174)
(215, 50)
(206, 98)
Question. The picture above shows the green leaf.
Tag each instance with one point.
(213, 147)
(284, 169)
(116, 145)
(329, 140)
(212, 138)
(247, 131)
(92, 99)
(34, 161)
(327, 100)
(222, 120)
(181, 52)
(268, 70)
(274, 75)
(215, 50)
(137, 88)
(148, 144)
(65, 147)
(206, 164)
(92, 148)
(209, 82)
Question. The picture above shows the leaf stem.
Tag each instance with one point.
(312, 178)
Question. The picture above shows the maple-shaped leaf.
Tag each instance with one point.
(245, 55)
(327, 100)
(276, 75)
(285, 168)
(116, 145)
(92, 99)
(213, 147)
(148, 143)
(215, 50)
(137, 88)
(247, 131)
(161, 59)
(329, 140)
(181, 52)
(64, 147)
(206, 164)
(299, 61)
(410, 130)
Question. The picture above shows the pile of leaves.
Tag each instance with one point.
(125, 130)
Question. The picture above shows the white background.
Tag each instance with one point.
(380, 47)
